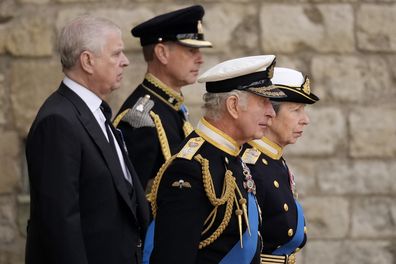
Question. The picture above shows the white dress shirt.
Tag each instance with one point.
(93, 102)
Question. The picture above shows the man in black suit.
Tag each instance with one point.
(87, 205)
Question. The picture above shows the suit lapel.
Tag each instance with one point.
(89, 122)
(138, 189)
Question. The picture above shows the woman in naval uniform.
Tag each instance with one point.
(283, 228)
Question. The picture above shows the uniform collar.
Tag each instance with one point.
(267, 147)
(217, 138)
(162, 91)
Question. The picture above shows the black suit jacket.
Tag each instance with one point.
(80, 208)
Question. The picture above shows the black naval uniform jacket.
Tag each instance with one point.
(182, 210)
(81, 211)
(143, 142)
(274, 193)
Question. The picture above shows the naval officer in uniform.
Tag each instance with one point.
(283, 229)
(153, 119)
(203, 197)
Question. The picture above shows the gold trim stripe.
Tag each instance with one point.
(118, 119)
(295, 91)
(260, 144)
(161, 136)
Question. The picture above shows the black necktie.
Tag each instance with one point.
(107, 113)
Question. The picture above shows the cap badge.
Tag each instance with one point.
(271, 71)
(306, 86)
(199, 27)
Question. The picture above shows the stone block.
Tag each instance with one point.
(31, 83)
(375, 27)
(326, 217)
(392, 64)
(306, 27)
(8, 10)
(323, 135)
(3, 31)
(10, 151)
(373, 217)
(30, 36)
(356, 177)
(23, 211)
(36, 2)
(301, 64)
(3, 104)
(231, 28)
(126, 19)
(7, 219)
(352, 79)
(373, 132)
(349, 252)
(304, 171)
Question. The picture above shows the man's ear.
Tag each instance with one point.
(87, 61)
(232, 106)
(161, 51)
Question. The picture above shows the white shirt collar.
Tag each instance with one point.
(92, 100)
(217, 137)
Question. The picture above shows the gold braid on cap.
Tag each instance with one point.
(163, 140)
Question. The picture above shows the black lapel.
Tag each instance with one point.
(89, 122)
(138, 189)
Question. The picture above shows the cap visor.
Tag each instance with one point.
(297, 97)
(194, 43)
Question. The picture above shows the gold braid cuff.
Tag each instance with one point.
(161, 135)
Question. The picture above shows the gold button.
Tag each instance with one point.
(276, 184)
(286, 207)
(297, 249)
(305, 229)
(265, 161)
(290, 232)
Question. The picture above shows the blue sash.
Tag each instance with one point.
(298, 237)
(238, 255)
(148, 243)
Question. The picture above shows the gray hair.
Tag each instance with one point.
(276, 105)
(81, 34)
(214, 103)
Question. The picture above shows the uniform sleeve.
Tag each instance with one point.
(180, 216)
(54, 156)
(143, 149)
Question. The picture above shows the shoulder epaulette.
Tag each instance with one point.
(250, 156)
(138, 115)
(190, 148)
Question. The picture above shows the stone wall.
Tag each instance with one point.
(344, 164)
